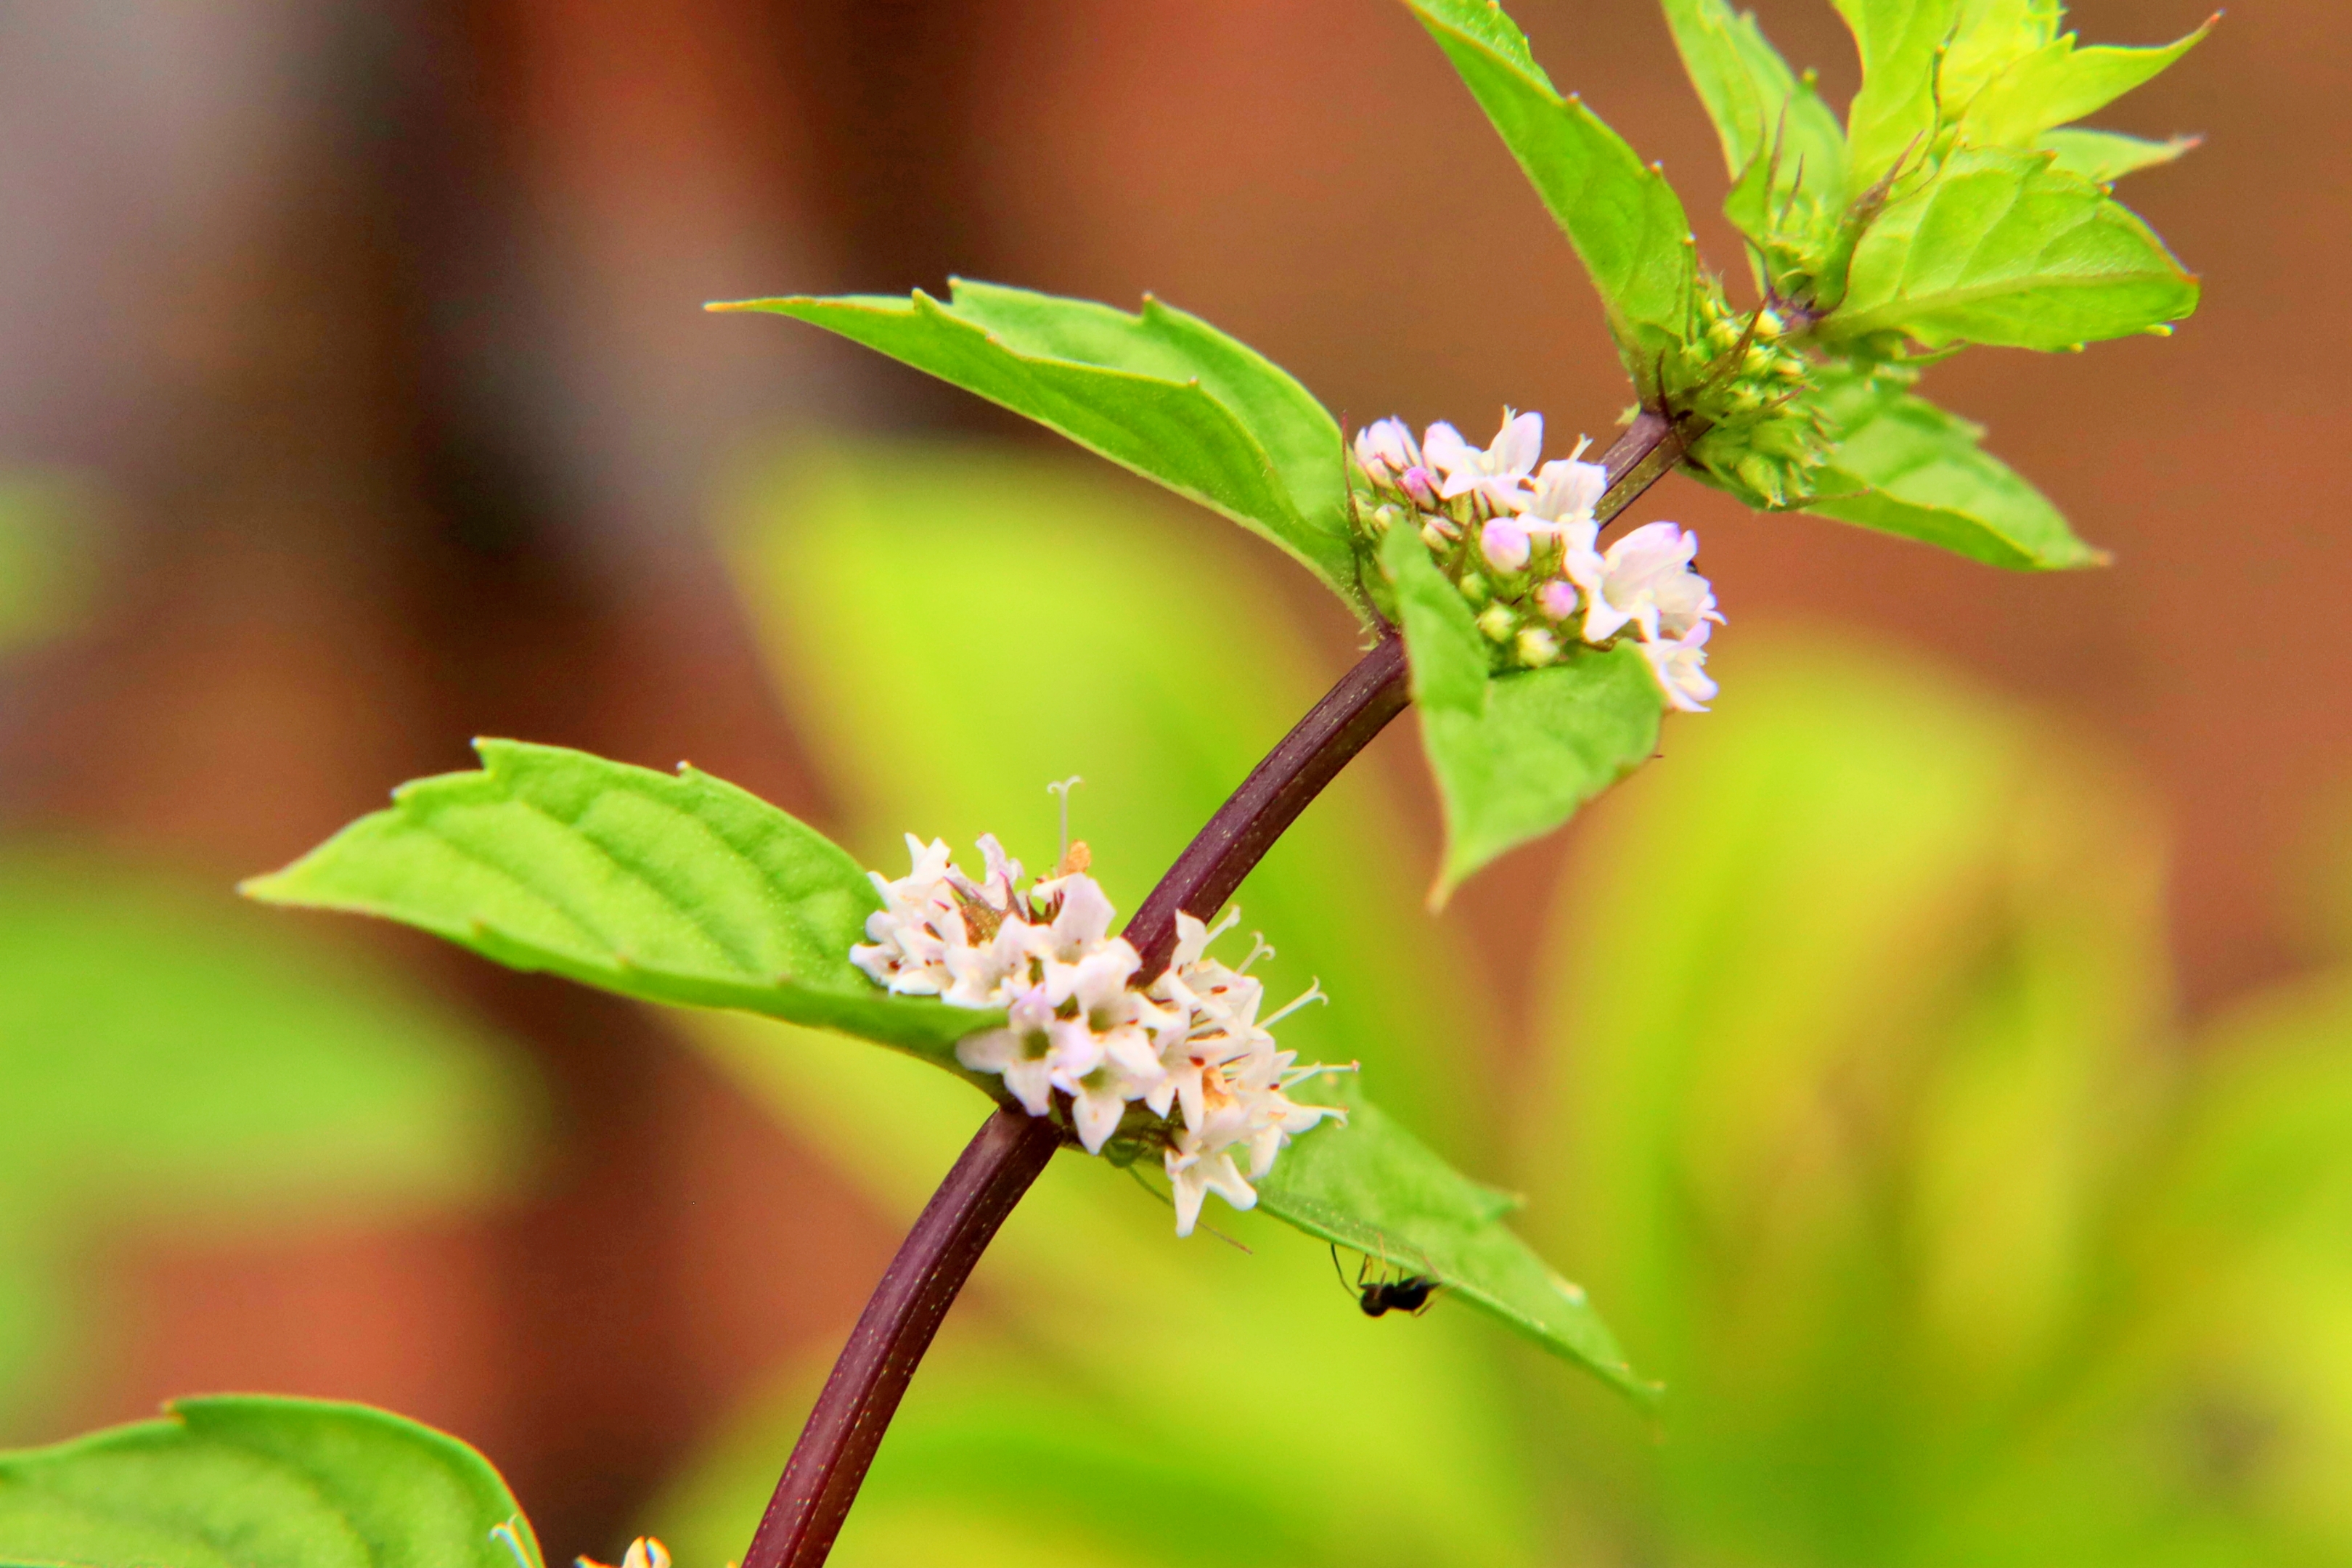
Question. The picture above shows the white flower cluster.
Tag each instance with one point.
(1537, 566)
(1191, 1043)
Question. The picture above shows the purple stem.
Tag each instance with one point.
(837, 1445)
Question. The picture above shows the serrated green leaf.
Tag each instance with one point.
(680, 890)
(2058, 84)
(1549, 741)
(1160, 391)
(253, 1482)
(1449, 658)
(1903, 466)
(1625, 222)
(1774, 126)
(1894, 116)
(2104, 157)
(1986, 35)
(2003, 249)
(1372, 1186)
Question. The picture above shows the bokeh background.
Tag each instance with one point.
(354, 400)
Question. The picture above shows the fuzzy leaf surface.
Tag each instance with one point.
(1904, 465)
(1547, 740)
(1894, 115)
(1373, 1186)
(1448, 657)
(2002, 249)
(1623, 220)
(2103, 157)
(678, 888)
(253, 1482)
(1761, 110)
(1160, 391)
(2058, 84)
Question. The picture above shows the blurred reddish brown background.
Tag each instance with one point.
(379, 324)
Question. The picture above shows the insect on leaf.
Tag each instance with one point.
(1547, 742)
(1625, 222)
(1449, 658)
(678, 889)
(2003, 249)
(262, 1483)
(1160, 391)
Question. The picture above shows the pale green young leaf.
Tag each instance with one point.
(2058, 84)
(1986, 35)
(1894, 117)
(254, 1482)
(1623, 220)
(2003, 249)
(1774, 126)
(1372, 1187)
(2104, 157)
(1160, 391)
(1547, 740)
(678, 889)
(1450, 660)
(1903, 466)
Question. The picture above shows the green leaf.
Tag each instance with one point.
(2003, 249)
(2058, 84)
(1903, 466)
(251, 1482)
(1372, 1186)
(1449, 658)
(1763, 111)
(1624, 221)
(681, 890)
(1549, 741)
(1160, 391)
(1894, 116)
(1986, 37)
(2104, 157)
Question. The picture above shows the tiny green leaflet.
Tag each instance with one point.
(1160, 391)
(258, 1482)
(678, 889)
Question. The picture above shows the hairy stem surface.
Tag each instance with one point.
(829, 1462)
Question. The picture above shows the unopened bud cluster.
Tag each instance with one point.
(1519, 538)
(1183, 1065)
(1764, 438)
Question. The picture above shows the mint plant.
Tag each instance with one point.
(1958, 205)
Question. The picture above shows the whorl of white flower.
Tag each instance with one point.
(1498, 473)
(1190, 1050)
(1566, 492)
(1385, 450)
(1680, 665)
(1645, 581)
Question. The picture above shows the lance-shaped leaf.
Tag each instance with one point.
(1904, 465)
(678, 888)
(2004, 248)
(1986, 35)
(2058, 84)
(1547, 742)
(1160, 391)
(1771, 121)
(1449, 659)
(1894, 116)
(1624, 221)
(1370, 1185)
(2104, 157)
(261, 1483)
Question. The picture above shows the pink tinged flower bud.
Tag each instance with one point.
(1385, 450)
(1556, 600)
(1419, 484)
(1505, 544)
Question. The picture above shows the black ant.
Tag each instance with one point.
(1379, 1296)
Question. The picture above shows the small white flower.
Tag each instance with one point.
(1194, 1172)
(1566, 491)
(1023, 1052)
(1498, 472)
(1680, 665)
(645, 1551)
(1644, 581)
(1505, 544)
(1385, 450)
